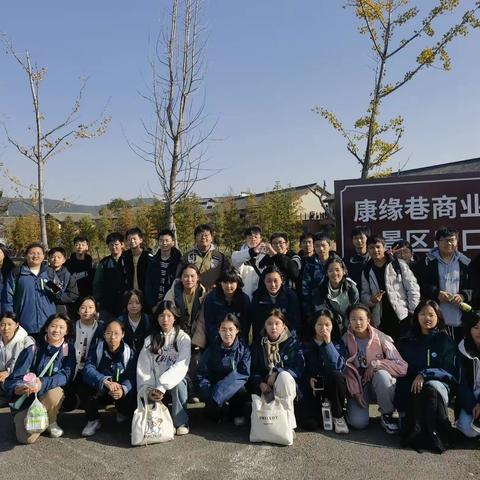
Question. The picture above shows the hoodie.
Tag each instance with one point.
(469, 390)
(10, 352)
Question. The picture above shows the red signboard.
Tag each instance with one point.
(411, 208)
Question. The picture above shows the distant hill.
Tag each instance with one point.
(17, 207)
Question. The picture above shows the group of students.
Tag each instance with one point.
(377, 326)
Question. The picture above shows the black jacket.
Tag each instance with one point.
(126, 265)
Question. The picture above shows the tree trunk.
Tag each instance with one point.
(41, 205)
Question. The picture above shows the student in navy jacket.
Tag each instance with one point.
(277, 363)
(109, 377)
(273, 294)
(223, 372)
(137, 323)
(26, 292)
(422, 396)
(468, 398)
(49, 388)
(67, 292)
(324, 365)
(227, 297)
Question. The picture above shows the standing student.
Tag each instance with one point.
(404, 251)
(209, 261)
(444, 276)
(227, 297)
(247, 259)
(272, 294)
(80, 265)
(13, 340)
(422, 396)
(109, 377)
(87, 331)
(306, 247)
(468, 398)
(27, 292)
(188, 295)
(108, 283)
(6, 265)
(324, 354)
(223, 373)
(54, 350)
(65, 289)
(337, 292)
(162, 269)
(163, 364)
(279, 254)
(389, 288)
(373, 365)
(277, 363)
(137, 322)
(355, 263)
(134, 261)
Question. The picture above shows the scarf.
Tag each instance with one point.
(271, 350)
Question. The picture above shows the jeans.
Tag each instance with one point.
(464, 424)
(179, 395)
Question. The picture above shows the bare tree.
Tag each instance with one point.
(49, 142)
(386, 23)
(175, 142)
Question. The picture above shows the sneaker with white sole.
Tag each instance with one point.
(389, 424)
(239, 421)
(121, 418)
(91, 428)
(182, 430)
(340, 426)
(54, 430)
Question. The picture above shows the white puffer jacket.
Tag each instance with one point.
(165, 370)
(402, 290)
(247, 272)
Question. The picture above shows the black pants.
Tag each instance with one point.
(71, 391)
(192, 371)
(93, 400)
(236, 406)
(335, 391)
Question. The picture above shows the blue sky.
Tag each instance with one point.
(269, 62)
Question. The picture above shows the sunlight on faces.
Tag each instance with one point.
(189, 278)
(165, 242)
(322, 326)
(322, 249)
(447, 245)
(228, 332)
(134, 241)
(273, 283)
(134, 307)
(427, 319)
(376, 251)
(204, 240)
(475, 333)
(404, 253)
(56, 331)
(56, 260)
(359, 321)
(113, 335)
(274, 327)
(8, 328)
(253, 240)
(116, 248)
(360, 242)
(2, 256)
(35, 257)
(81, 247)
(280, 245)
(87, 310)
(229, 288)
(307, 246)
(336, 274)
(166, 320)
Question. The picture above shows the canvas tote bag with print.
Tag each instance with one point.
(270, 421)
(151, 423)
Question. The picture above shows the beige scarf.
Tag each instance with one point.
(271, 350)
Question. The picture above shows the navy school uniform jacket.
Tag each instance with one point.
(435, 356)
(262, 304)
(223, 371)
(215, 308)
(66, 281)
(469, 389)
(33, 359)
(104, 365)
(136, 338)
(291, 361)
(29, 297)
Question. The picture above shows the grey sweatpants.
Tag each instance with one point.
(381, 388)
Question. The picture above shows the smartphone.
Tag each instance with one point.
(319, 384)
(53, 286)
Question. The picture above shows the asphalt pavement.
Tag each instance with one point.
(223, 451)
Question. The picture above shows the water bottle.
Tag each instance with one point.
(327, 415)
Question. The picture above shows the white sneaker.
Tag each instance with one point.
(182, 430)
(239, 421)
(121, 418)
(54, 430)
(340, 425)
(91, 428)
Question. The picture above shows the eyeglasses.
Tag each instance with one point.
(278, 244)
(228, 330)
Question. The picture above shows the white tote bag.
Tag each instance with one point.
(270, 421)
(151, 423)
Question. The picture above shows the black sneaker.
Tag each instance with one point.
(388, 423)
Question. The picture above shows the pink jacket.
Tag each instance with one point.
(380, 348)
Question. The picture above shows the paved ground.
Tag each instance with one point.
(223, 452)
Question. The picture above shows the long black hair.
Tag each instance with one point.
(231, 275)
(417, 330)
(7, 264)
(325, 312)
(158, 335)
(470, 320)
